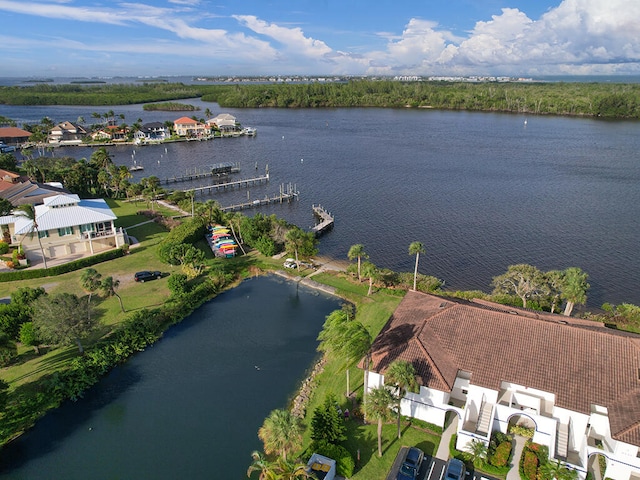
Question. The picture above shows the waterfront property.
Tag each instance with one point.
(573, 382)
(67, 133)
(66, 225)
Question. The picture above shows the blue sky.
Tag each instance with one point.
(82, 38)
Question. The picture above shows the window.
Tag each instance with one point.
(65, 231)
(43, 234)
(86, 228)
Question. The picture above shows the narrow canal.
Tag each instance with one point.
(190, 406)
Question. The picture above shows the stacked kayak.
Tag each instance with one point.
(221, 241)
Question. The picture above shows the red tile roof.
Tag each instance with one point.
(13, 132)
(581, 362)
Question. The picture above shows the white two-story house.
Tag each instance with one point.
(576, 382)
(67, 225)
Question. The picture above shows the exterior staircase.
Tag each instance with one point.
(562, 441)
(484, 418)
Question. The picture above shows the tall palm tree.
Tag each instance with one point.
(90, 280)
(29, 211)
(347, 339)
(574, 289)
(108, 287)
(378, 407)
(416, 248)
(371, 271)
(401, 375)
(357, 252)
(281, 432)
(102, 158)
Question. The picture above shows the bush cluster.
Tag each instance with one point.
(27, 274)
(188, 232)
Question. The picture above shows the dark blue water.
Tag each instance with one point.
(481, 191)
(189, 407)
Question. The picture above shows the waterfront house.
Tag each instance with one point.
(486, 366)
(67, 133)
(152, 132)
(190, 128)
(14, 136)
(225, 122)
(67, 225)
(19, 190)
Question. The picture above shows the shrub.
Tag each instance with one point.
(500, 458)
(4, 247)
(530, 465)
(178, 284)
(522, 430)
(345, 465)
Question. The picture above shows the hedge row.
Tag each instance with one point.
(29, 273)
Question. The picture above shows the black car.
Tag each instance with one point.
(455, 470)
(147, 275)
(411, 465)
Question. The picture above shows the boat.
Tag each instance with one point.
(249, 131)
(136, 168)
(4, 148)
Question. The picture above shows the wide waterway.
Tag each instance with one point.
(191, 405)
(482, 191)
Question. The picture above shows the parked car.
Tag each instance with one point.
(147, 275)
(455, 470)
(290, 263)
(411, 465)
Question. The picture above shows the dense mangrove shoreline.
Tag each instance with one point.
(598, 100)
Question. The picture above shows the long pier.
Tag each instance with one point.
(205, 172)
(287, 194)
(326, 220)
(245, 183)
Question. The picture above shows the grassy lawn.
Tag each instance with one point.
(373, 311)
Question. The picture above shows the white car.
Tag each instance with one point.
(290, 263)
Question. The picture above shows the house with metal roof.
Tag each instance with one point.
(65, 225)
(574, 382)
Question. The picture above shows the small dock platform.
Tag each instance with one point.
(216, 170)
(246, 183)
(287, 194)
(326, 220)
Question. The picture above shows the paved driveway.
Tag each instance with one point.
(432, 469)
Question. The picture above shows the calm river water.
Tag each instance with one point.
(482, 191)
(189, 407)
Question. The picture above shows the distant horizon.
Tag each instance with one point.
(528, 38)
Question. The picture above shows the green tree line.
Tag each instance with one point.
(606, 100)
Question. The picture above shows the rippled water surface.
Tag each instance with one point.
(189, 407)
(482, 191)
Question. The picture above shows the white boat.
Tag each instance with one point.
(249, 131)
(136, 168)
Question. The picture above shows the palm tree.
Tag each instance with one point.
(90, 280)
(281, 432)
(479, 453)
(371, 271)
(279, 469)
(108, 287)
(556, 470)
(401, 375)
(29, 211)
(357, 252)
(416, 248)
(344, 338)
(378, 407)
(262, 465)
(574, 289)
(102, 158)
(295, 240)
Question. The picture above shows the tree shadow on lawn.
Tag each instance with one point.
(51, 362)
(361, 442)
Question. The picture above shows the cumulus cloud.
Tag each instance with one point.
(577, 36)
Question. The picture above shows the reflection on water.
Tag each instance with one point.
(190, 406)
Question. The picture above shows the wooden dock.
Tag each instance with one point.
(246, 183)
(217, 170)
(326, 220)
(287, 194)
